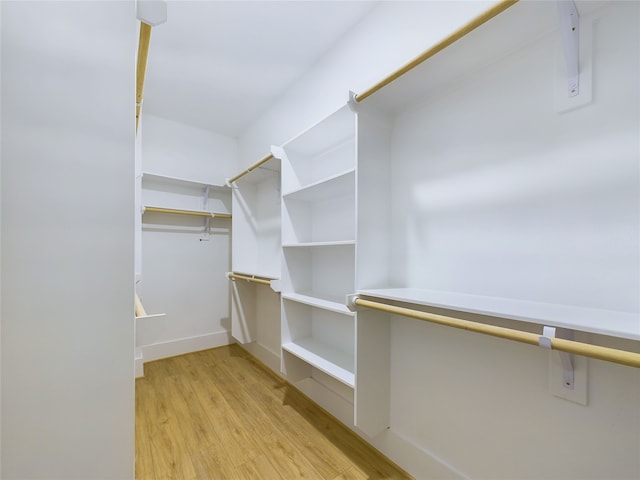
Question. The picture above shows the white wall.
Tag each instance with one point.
(178, 150)
(391, 35)
(464, 405)
(67, 239)
(181, 275)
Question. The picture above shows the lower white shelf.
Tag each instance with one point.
(604, 322)
(328, 302)
(334, 363)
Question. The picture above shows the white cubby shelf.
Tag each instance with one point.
(334, 303)
(333, 362)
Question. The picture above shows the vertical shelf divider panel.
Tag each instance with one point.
(318, 262)
(373, 266)
(255, 309)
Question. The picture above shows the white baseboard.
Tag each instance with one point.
(181, 346)
(413, 458)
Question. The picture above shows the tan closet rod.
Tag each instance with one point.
(454, 37)
(141, 70)
(196, 213)
(252, 167)
(139, 309)
(261, 281)
(585, 349)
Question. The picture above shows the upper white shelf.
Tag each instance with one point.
(168, 180)
(332, 130)
(338, 185)
(604, 322)
(320, 244)
(521, 24)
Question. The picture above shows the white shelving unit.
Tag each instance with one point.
(181, 194)
(318, 262)
(529, 217)
(255, 308)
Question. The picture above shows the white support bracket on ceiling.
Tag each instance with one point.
(570, 33)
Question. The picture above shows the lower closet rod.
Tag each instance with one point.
(622, 357)
(261, 281)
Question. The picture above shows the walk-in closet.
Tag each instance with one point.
(318, 239)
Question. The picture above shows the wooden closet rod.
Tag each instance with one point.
(454, 37)
(585, 349)
(261, 281)
(141, 70)
(196, 213)
(252, 167)
(139, 309)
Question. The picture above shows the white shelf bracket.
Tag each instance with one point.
(352, 102)
(351, 302)
(277, 152)
(565, 358)
(570, 32)
(207, 220)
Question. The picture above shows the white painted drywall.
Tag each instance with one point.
(178, 150)
(181, 275)
(475, 406)
(67, 239)
(391, 35)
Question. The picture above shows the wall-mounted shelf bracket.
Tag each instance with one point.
(352, 102)
(570, 32)
(351, 302)
(548, 333)
(207, 220)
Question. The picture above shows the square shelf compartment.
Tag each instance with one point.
(323, 272)
(323, 213)
(322, 338)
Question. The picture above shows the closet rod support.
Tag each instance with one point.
(570, 33)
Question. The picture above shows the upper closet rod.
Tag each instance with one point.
(585, 349)
(252, 167)
(143, 55)
(196, 213)
(455, 36)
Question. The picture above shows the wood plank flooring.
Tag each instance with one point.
(219, 414)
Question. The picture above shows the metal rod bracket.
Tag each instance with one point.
(545, 341)
(570, 32)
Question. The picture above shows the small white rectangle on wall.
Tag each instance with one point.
(563, 100)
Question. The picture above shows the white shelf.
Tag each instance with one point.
(157, 178)
(327, 302)
(334, 363)
(319, 244)
(604, 322)
(333, 186)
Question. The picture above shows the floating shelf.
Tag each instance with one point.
(603, 322)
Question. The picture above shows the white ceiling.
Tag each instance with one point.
(219, 65)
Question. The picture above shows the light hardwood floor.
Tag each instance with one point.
(219, 414)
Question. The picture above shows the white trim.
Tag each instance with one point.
(181, 346)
